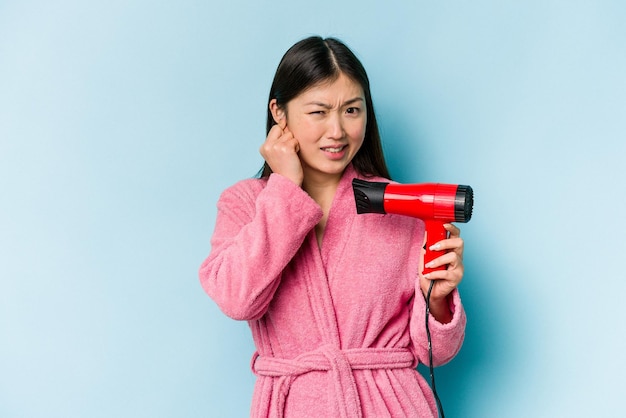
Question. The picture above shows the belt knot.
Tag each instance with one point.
(339, 364)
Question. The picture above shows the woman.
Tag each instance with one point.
(335, 300)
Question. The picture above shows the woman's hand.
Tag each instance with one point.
(280, 151)
(445, 280)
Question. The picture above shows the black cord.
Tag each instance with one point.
(430, 351)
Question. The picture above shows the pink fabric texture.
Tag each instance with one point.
(338, 328)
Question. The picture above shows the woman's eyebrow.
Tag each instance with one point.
(346, 103)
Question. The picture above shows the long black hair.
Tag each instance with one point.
(312, 61)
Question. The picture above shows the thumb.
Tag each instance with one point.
(282, 123)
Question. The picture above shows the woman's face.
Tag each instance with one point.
(328, 121)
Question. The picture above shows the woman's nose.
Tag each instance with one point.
(335, 127)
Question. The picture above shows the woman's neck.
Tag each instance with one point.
(321, 188)
(323, 192)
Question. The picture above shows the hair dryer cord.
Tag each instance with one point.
(430, 350)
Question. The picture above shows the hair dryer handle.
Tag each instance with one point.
(435, 232)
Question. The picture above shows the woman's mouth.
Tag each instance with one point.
(334, 149)
(335, 152)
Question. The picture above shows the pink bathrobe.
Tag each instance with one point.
(339, 329)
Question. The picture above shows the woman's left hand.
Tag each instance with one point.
(445, 280)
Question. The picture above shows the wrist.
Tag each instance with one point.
(440, 309)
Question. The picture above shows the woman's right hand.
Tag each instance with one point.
(280, 151)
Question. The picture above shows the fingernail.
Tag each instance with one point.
(435, 247)
(429, 265)
(427, 276)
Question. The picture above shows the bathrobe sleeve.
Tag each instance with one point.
(447, 339)
(260, 226)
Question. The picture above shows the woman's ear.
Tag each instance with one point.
(278, 113)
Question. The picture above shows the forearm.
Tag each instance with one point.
(255, 237)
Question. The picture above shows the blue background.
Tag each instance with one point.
(122, 121)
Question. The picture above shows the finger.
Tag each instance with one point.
(289, 143)
(453, 272)
(282, 122)
(450, 259)
(274, 141)
(453, 230)
(442, 285)
(445, 282)
(288, 137)
(275, 133)
(447, 244)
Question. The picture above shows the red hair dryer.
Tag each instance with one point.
(434, 203)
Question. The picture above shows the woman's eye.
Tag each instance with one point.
(353, 110)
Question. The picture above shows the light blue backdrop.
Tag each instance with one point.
(122, 121)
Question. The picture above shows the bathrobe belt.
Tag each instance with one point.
(339, 363)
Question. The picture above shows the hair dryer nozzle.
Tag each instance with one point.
(463, 203)
(436, 201)
(369, 196)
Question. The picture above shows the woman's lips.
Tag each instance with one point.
(335, 152)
